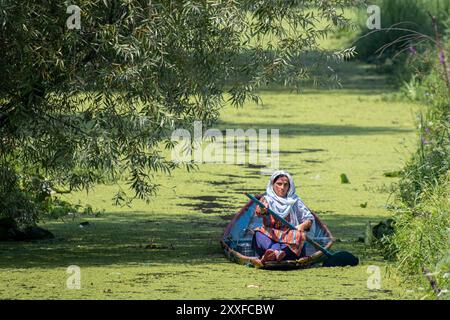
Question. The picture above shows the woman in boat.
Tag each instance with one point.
(273, 241)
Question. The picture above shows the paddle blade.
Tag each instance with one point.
(341, 259)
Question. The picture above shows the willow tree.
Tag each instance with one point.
(82, 104)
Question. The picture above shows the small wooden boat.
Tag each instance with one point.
(238, 235)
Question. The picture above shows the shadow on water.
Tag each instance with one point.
(302, 129)
(208, 204)
(301, 151)
(236, 176)
(147, 239)
(222, 183)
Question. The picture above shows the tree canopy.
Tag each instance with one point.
(95, 104)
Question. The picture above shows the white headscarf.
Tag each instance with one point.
(283, 206)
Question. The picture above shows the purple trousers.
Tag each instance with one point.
(261, 243)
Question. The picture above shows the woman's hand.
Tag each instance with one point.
(261, 211)
(305, 226)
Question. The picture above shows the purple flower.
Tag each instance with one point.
(442, 57)
(427, 130)
(412, 50)
(425, 141)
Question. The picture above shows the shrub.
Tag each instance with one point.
(400, 14)
(422, 223)
(27, 199)
(421, 237)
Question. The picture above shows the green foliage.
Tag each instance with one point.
(19, 205)
(30, 199)
(442, 269)
(81, 107)
(404, 47)
(344, 178)
(420, 75)
(429, 165)
(422, 222)
(401, 21)
(421, 237)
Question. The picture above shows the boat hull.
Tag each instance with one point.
(238, 235)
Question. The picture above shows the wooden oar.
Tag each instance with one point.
(336, 259)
